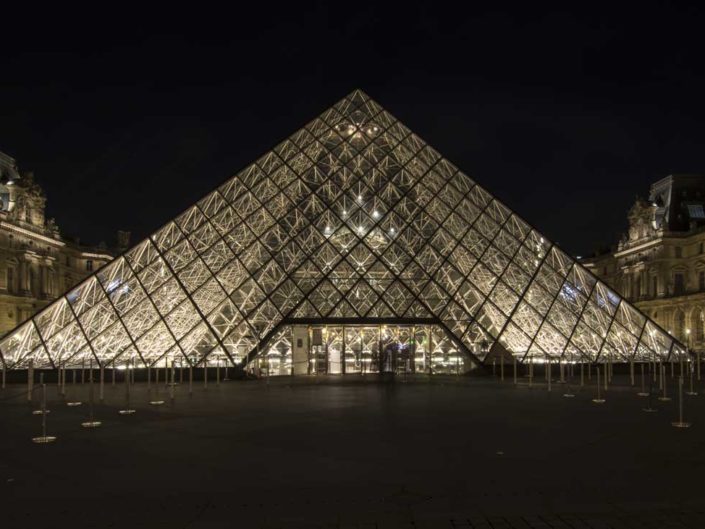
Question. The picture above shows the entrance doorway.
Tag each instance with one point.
(337, 349)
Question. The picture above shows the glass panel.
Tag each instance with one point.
(277, 355)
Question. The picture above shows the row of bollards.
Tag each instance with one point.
(605, 373)
(129, 380)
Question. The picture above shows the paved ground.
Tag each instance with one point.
(447, 453)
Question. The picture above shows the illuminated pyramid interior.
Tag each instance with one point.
(352, 246)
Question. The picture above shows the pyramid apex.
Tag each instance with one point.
(358, 91)
(358, 96)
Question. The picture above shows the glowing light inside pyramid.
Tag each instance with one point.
(353, 216)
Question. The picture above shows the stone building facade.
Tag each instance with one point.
(659, 264)
(36, 263)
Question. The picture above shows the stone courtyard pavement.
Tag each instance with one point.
(468, 452)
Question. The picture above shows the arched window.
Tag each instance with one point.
(679, 324)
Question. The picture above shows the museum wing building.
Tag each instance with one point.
(659, 265)
(37, 265)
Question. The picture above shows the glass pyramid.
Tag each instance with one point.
(353, 217)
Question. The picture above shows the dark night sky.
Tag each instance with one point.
(565, 115)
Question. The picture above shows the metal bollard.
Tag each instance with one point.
(217, 372)
(680, 423)
(156, 401)
(515, 370)
(171, 386)
(75, 402)
(598, 399)
(643, 392)
(698, 364)
(91, 422)
(548, 375)
(42, 408)
(664, 396)
(631, 371)
(692, 391)
(30, 380)
(582, 374)
(190, 379)
(205, 374)
(660, 375)
(101, 391)
(501, 370)
(44, 438)
(610, 366)
(127, 410)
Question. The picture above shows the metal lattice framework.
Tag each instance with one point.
(353, 216)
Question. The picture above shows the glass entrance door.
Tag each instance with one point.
(361, 349)
(339, 349)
